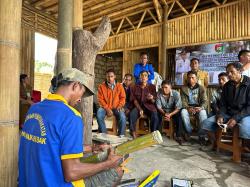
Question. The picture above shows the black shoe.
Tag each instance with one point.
(202, 141)
(179, 140)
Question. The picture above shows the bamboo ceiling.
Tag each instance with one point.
(126, 14)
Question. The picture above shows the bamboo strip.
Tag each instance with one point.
(128, 147)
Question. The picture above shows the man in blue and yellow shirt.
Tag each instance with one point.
(51, 143)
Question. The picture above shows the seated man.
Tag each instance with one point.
(235, 105)
(169, 104)
(111, 97)
(143, 97)
(202, 76)
(194, 101)
(127, 81)
(216, 94)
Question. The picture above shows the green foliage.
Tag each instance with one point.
(42, 65)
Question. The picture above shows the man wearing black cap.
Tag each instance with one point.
(51, 142)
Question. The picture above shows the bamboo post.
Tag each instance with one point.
(10, 33)
(164, 42)
(64, 46)
(77, 14)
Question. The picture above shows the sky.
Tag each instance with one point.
(45, 50)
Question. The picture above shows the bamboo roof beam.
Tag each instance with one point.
(120, 26)
(128, 20)
(195, 6)
(216, 2)
(120, 17)
(170, 9)
(164, 2)
(112, 31)
(123, 7)
(158, 10)
(152, 15)
(119, 13)
(224, 2)
(108, 3)
(126, 26)
(39, 3)
(51, 7)
(182, 7)
(142, 18)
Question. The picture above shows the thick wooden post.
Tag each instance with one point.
(85, 47)
(64, 46)
(10, 32)
(164, 43)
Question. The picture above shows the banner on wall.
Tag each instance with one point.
(213, 58)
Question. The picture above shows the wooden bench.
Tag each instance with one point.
(230, 143)
(168, 128)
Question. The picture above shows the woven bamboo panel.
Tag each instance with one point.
(27, 53)
(42, 83)
(229, 22)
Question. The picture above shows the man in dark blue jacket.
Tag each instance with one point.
(235, 104)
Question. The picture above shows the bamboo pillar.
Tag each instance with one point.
(64, 46)
(164, 43)
(77, 15)
(10, 30)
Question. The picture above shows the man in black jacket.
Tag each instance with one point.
(235, 104)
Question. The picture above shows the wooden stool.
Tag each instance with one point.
(113, 129)
(194, 122)
(233, 144)
(169, 130)
(141, 128)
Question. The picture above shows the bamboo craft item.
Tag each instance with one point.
(128, 147)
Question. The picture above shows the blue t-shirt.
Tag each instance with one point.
(138, 68)
(52, 131)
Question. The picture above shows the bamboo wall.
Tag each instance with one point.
(42, 83)
(38, 22)
(226, 23)
(142, 38)
(27, 53)
(229, 22)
